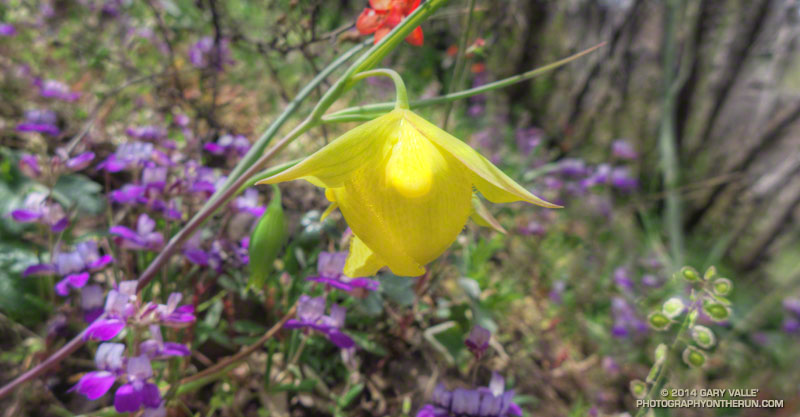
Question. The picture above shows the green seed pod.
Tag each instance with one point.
(673, 307)
(661, 353)
(690, 274)
(717, 311)
(711, 272)
(703, 336)
(638, 389)
(722, 286)
(694, 357)
(266, 241)
(659, 321)
(654, 371)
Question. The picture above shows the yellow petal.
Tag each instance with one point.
(361, 261)
(409, 208)
(496, 186)
(483, 217)
(330, 166)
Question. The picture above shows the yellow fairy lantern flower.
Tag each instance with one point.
(405, 188)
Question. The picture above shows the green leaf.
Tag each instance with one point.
(249, 327)
(350, 395)
(18, 297)
(306, 385)
(398, 289)
(76, 190)
(364, 342)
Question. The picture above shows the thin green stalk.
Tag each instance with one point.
(458, 68)
(371, 111)
(666, 138)
(673, 351)
(401, 102)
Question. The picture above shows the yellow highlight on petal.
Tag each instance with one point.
(409, 169)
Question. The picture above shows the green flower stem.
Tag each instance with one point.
(268, 173)
(401, 102)
(371, 111)
(673, 352)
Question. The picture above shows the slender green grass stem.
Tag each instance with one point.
(371, 111)
(666, 138)
(458, 67)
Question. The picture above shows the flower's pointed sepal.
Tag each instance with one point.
(334, 163)
(483, 217)
(361, 261)
(496, 186)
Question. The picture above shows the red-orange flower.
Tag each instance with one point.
(383, 15)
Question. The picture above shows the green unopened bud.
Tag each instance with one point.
(673, 307)
(653, 374)
(717, 311)
(638, 389)
(267, 240)
(659, 321)
(690, 274)
(711, 272)
(694, 357)
(703, 336)
(722, 286)
(661, 353)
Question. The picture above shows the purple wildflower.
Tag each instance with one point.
(528, 139)
(143, 238)
(310, 314)
(173, 315)
(127, 154)
(484, 401)
(556, 294)
(792, 305)
(623, 279)
(147, 133)
(7, 30)
(109, 361)
(652, 281)
(29, 165)
(572, 167)
(138, 391)
(622, 179)
(248, 203)
(42, 121)
(56, 89)
(80, 161)
(92, 302)
(203, 55)
(478, 340)
(229, 144)
(120, 305)
(329, 271)
(155, 347)
(623, 150)
(625, 319)
(36, 209)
